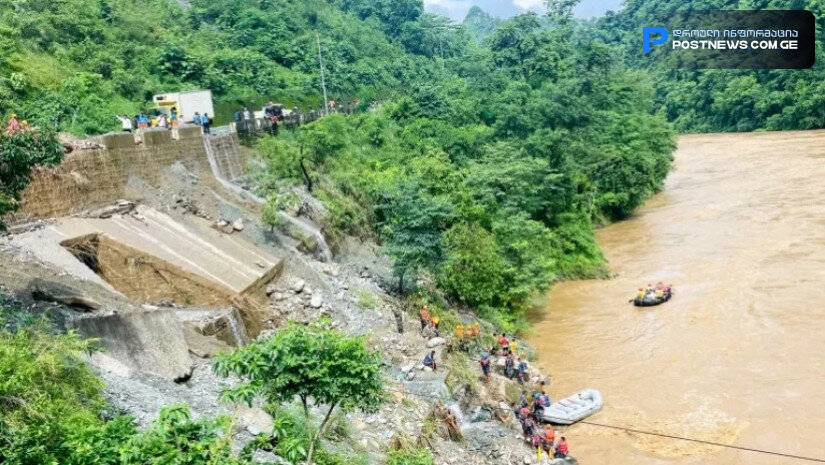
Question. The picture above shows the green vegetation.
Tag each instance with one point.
(412, 456)
(462, 373)
(479, 23)
(288, 438)
(487, 167)
(366, 300)
(20, 153)
(77, 63)
(314, 364)
(724, 100)
(52, 412)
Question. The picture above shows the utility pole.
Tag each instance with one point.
(321, 65)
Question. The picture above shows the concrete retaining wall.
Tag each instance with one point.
(92, 178)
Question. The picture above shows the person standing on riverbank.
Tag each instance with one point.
(509, 366)
(522, 370)
(125, 123)
(549, 439)
(562, 449)
(206, 123)
(424, 316)
(174, 118)
(505, 344)
(485, 367)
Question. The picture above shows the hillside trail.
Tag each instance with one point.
(736, 356)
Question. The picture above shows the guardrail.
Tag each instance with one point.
(290, 120)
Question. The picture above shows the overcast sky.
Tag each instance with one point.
(457, 9)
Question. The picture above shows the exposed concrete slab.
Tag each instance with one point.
(227, 260)
(144, 341)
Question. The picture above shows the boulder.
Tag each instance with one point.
(297, 286)
(436, 341)
(407, 367)
(316, 301)
(480, 414)
(144, 341)
(255, 420)
(266, 458)
(237, 225)
(203, 346)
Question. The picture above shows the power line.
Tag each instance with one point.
(651, 433)
(710, 443)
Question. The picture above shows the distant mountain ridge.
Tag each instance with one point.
(480, 24)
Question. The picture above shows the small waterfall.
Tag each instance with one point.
(218, 174)
(238, 328)
(459, 415)
(310, 229)
(223, 157)
(229, 153)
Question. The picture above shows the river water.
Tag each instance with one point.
(738, 355)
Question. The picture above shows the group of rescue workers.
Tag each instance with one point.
(651, 292)
(142, 121)
(15, 126)
(529, 410)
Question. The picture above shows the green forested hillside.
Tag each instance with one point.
(78, 62)
(725, 100)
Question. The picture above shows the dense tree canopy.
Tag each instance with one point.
(77, 63)
(724, 100)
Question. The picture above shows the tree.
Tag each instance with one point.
(313, 363)
(473, 267)
(318, 141)
(411, 222)
(515, 42)
(19, 153)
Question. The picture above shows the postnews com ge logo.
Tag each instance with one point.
(647, 32)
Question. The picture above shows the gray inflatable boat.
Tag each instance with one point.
(574, 408)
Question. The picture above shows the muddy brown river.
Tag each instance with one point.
(738, 355)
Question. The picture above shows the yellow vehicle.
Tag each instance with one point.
(186, 103)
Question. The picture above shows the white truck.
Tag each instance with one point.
(186, 103)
